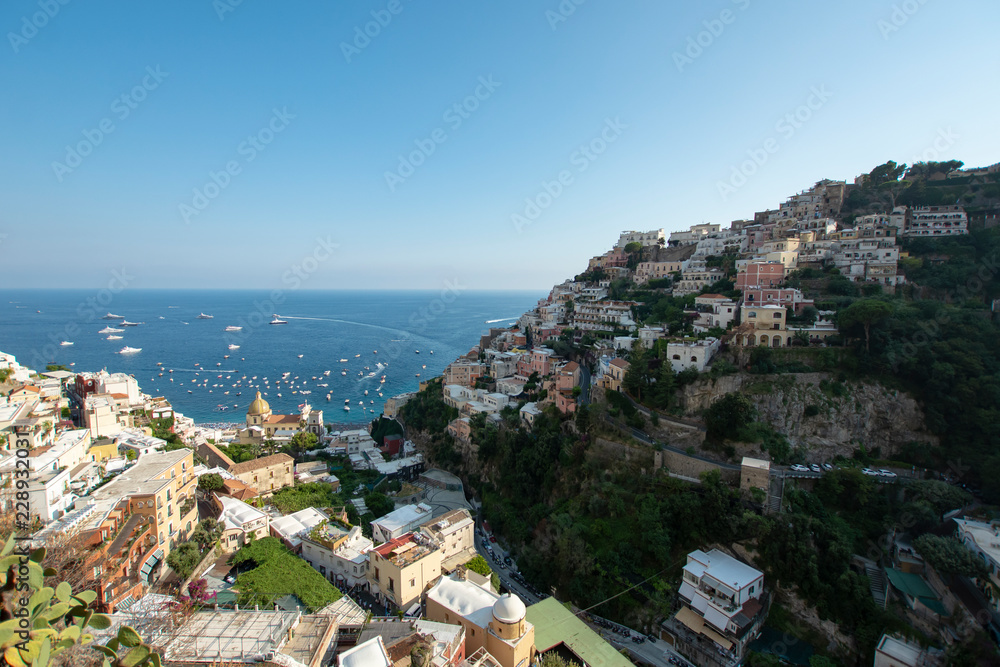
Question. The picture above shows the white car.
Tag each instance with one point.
(827, 466)
(799, 468)
(886, 473)
(869, 471)
(815, 468)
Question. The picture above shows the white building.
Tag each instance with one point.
(692, 354)
(937, 221)
(893, 652)
(49, 494)
(983, 539)
(100, 415)
(399, 522)
(339, 555)
(650, 238)
(694, 234)
(291, 529)
(239, 520)
(723, 607)
(68, 450)
(138, 442)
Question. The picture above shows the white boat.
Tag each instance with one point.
(203, 316)
(347, 400)
(343, 361)
(66, 343)
(109, 330)
(366, 392)
(112, 316)
(232, 328)
(416, 351)
(304, 391)
(300, 356)
(347, 408)
(234, 347)
(343, 372)
(278, 320)
(113, 338)
(126, 323)
(129, 350)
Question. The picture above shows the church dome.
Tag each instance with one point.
(259, 406)
(509, 609)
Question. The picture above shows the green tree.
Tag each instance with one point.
(728, 415)
(379, 504)
(552, 659)
(948, 555)
(184, 558)
(303, 441)
(211, 482)
(864, 313)
(480, 566)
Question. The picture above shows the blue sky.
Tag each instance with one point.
(309, 118)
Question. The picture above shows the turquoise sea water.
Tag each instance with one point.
(366, 328)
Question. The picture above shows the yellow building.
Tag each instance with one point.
(400, 570)
(266, 474)
(263, 424)
(492, 622)
(102, 450)
(161, 486)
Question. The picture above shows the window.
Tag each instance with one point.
(752, 314)
(255, 478)
(173, 474)
(392, 584)
(413, 582)
(376, 573)
(272, 474)
(97, 570)
(161, 537)
(777, 316)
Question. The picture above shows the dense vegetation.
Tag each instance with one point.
(277, 572)
(186, 555)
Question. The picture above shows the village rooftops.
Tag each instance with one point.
(403, 517)
(721, 567)
(236, 513)
(141, 479)
(257, 464)
(404, 550)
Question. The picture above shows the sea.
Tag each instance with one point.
(339, 344)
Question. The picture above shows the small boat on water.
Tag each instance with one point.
(129, 350)
(112, 316)
(113, 338)
(347, 408)
(66, 343)
(234, 347)
(203, 316)
(232, 328)
(300, 356)
(278, 320)
(343, 372)
(110, 330)
(126, 323)
(356, 356)
(343, 361)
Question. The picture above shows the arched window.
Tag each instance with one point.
(694, 360)
(777, 341)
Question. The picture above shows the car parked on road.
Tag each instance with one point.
(798, 468)
(886, 473)
(869, 471)
(815, 468)
(827, 466)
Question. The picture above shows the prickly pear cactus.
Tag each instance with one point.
(39, 621)
(128, 650)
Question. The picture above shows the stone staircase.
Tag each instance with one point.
(877, 584)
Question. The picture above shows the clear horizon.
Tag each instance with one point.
(227, 145)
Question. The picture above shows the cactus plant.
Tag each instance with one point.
(128, 650)
(44, 620)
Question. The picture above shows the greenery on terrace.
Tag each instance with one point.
(276, 572)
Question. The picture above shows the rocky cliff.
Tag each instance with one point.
(823, 416)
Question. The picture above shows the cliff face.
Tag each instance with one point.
(842, 416)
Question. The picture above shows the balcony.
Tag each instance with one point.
(188, 505)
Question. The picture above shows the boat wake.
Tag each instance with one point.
(502, 319)
(357, 324)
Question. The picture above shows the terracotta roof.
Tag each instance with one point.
(25, 387)
(257, 464)
(237, 489)
(283, 419)
(571, 366)
(38, 451)
(385, 550)
(711, 296)
(619, 363)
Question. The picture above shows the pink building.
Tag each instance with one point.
(568, 376)
(788, 297)
(759, 275)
